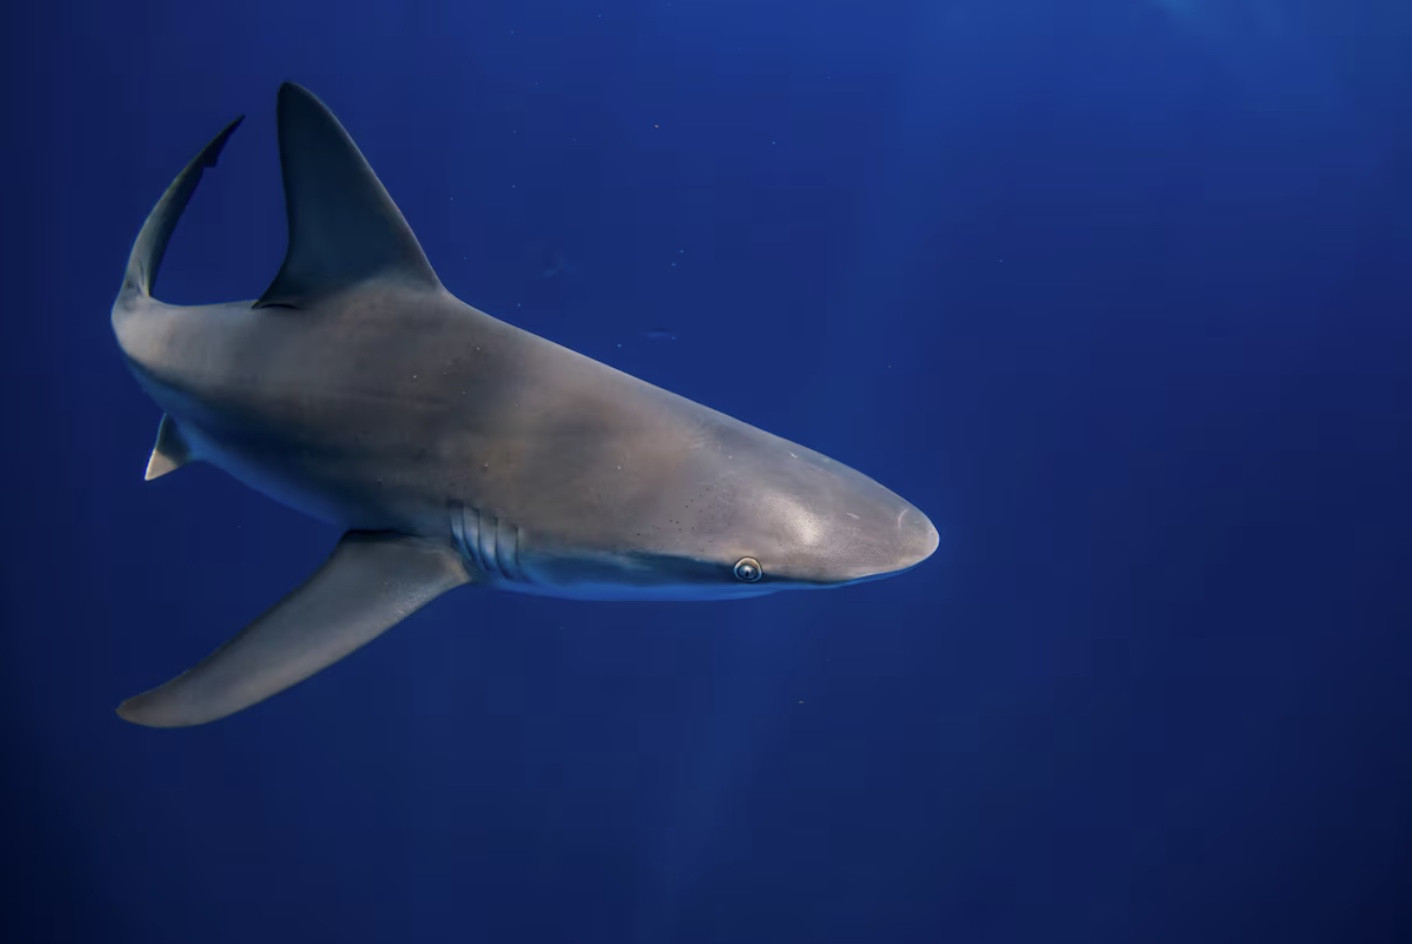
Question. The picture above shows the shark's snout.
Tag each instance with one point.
(891, 548)
(917, 537)
(824, 524)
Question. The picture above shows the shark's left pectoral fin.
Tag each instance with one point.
(371, 582)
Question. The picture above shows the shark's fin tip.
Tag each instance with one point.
(131, 711)
(169, 453)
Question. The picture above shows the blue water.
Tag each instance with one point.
(1117, 291)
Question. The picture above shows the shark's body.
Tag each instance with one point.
(455, 448)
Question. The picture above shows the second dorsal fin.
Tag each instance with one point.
(343, 226)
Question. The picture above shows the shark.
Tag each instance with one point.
(452, 448)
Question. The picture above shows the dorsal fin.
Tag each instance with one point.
(343, 227)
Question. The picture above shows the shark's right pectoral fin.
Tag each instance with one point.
(371, 582)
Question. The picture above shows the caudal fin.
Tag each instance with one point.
(152, 241)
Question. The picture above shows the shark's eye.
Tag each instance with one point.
(747, 569)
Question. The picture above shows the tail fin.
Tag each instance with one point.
(152, 241)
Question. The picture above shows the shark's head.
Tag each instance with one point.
(792, 518)
(743, 513)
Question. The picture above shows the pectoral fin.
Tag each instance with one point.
(371, 582)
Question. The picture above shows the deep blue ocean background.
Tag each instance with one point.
(1119, 292)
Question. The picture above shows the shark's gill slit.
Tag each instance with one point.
(465, 529)
(511, 558)
(507, 550)
(472, 518)
(457, 516)
(487, 544)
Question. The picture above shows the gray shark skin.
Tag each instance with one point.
(454, 448)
